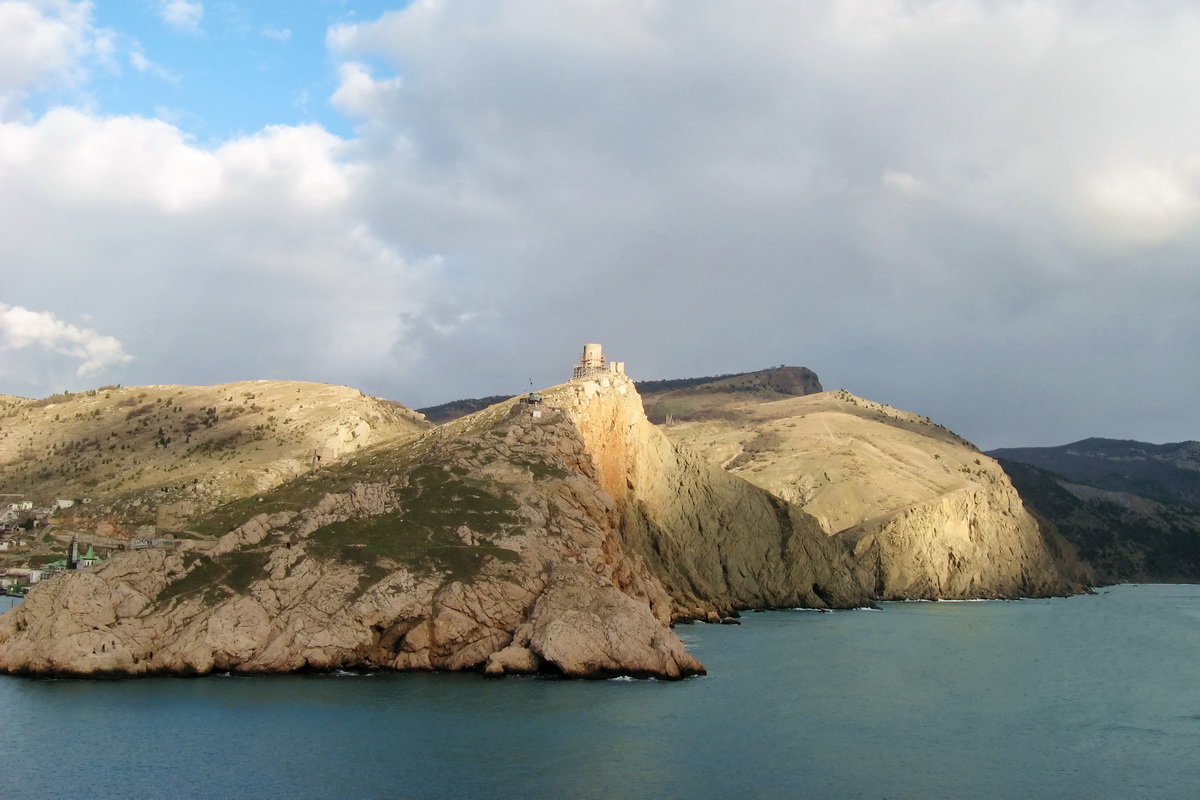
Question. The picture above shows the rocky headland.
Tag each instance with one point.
(562, 536)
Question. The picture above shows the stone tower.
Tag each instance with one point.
(593, 363)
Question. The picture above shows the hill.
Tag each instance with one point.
(161, 455)
(1168, 473)
(460, 408)
(692, 399)
(946, 516)
(560, 536)
(1124, 536)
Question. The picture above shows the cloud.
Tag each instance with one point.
(21, 328)
(241, 261)
(896, 194)
(278, 34)
(181, 14)
(42, 43)
(902, 182)
(139, 61)
(985, 212)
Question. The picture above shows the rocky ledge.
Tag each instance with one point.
(563, 536)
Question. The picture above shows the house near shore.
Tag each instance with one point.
(25, 576)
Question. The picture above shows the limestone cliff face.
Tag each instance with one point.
(924, 511)
(561, 536)
(487, 544)
(973, 543)
(716, 541)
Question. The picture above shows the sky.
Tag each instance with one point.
(983, 211)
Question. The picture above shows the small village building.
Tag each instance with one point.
(88, 559)
(26, 576)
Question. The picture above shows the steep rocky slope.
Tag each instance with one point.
(1123, 536)
(943, 519)
(563, 535)
(1168, 473)
(148, 455)
(484, 543)
(717, 542)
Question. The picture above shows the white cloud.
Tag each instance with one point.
(213, 264)
(1141, 204)
(987, 212)
(21, 328)
(278, 34)
(181, 14)
(902, 182)
(139, 61)
(40, 43)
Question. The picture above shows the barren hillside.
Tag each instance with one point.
(564, 535)
(163, 454)
(946, 517)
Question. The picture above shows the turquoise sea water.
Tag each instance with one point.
(1083, 697)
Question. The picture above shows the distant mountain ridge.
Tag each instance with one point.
(461, 408)
(1123, 536)
(1168, 473)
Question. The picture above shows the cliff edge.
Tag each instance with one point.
(559, 533)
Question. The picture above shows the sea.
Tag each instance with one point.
(1093, 696)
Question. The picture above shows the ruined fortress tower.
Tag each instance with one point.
(592, 364)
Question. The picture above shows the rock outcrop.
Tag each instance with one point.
(923, 510)
(717, 541)
(561, 536)
(489, 542)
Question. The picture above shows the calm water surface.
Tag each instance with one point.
(1083, 697)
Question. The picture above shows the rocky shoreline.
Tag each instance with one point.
(563, 536)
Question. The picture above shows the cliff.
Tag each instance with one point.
(558, 536)
(933, 516)
(487, 543)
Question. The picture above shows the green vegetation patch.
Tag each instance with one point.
(223, 576)
(372, 464)
(423, 535)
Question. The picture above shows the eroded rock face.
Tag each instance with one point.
(585, 627)
(927, 514)
(480, 540)
(562, 537)
(717, 542)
